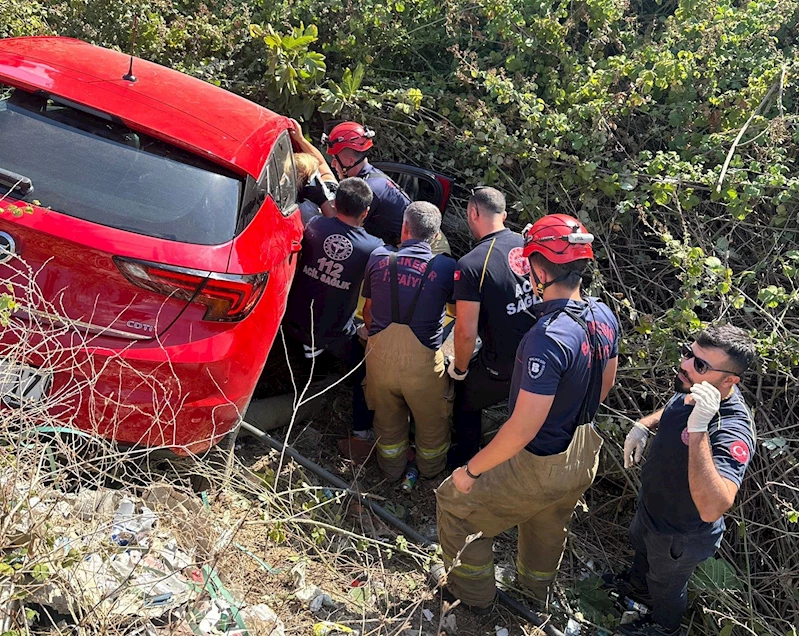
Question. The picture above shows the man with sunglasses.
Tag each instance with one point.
(705, 440)
(348, 144)
(493, 297)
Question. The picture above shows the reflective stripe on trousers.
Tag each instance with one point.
(404, 378)
(537, 494)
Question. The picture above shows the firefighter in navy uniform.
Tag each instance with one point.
(348, 144)
(493, 297)
(705, 440)
(545, 456)
(406, 292)
(324, 295)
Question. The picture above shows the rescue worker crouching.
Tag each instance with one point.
(705, 440)
(545, 456)
(348, 144)
(324, 295)
(493, 296)
(406, 291)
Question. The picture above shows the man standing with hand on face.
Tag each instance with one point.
(705, 440)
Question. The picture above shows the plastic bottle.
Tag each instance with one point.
(627, 603)
(411, 475)
(119, 531)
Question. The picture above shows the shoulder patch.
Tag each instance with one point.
(519, 265)
(739, 451)
(457, 274)
(337, 247)
(536, 367)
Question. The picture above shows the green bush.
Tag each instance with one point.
(621, 112)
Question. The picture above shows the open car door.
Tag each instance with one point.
(419, 184)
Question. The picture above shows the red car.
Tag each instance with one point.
(161, 221)
(157, 214)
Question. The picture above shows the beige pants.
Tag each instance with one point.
(537, 494)
(404, 377)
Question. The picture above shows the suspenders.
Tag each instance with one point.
(596, 371)
(395, 313)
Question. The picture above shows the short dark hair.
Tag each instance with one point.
(488, 200)
(734, 341)
(573, 272)
(353, 197)
(423, 220)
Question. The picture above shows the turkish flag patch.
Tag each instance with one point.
(457, 274)
(740, 451)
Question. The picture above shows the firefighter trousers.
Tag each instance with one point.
(404, 377)
(537, 494)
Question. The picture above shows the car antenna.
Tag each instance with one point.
(129, 76)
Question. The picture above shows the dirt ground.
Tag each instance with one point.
(399, 594)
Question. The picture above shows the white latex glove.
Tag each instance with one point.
(635, 444)
(706, 399)
(451, 370)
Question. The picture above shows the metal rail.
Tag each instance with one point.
(511, 603)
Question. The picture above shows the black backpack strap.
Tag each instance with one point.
(392, 264)
(596, 371)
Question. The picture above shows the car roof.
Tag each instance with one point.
(161, 102)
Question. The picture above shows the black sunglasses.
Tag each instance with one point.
(701, 366)
(475, 190)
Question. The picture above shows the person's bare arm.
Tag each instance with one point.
(652, 421)
(366, 312)
(528, 417)
(713, 494)
(303, 145)
(468, 313)
(608, 378)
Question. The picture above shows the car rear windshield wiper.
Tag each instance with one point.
(15, 181)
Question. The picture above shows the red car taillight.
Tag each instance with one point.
(227, 297)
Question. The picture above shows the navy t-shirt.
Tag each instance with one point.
(554, 358)
(388, 206)
(331, 269)
(496, 275)
(427, 322)
(665, 495)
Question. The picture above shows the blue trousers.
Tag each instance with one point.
(662, 565)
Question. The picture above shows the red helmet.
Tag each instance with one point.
(559, 238)
(348, 134)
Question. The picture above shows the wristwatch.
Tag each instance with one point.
(469, 473)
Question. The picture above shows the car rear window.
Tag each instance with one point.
(87, 165)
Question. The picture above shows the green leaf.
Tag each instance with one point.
(716, 574)
(360, 594)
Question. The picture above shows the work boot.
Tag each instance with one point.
(450, 598)
(647, 628)
(625, 587)
(358, 446)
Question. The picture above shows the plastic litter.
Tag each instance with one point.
(450, 625)
(262, 620)
(411, 475)
(129, 527)
(428, 615)
(500, 631)
(326, 628)
(572, 628)
(313, 597)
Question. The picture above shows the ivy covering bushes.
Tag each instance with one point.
(671, 127)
